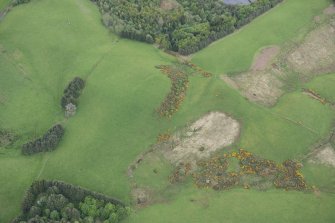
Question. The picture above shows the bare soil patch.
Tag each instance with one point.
(325, 155)
(261, 83)
(260, 87)
(330, 10)
(264, 82)
(205, 136)
(316, 54)
(264, 58)
(141, 196)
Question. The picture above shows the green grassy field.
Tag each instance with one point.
(116, 118)
(235, 53)
(324, 86)
(240, 206)
(4, 3)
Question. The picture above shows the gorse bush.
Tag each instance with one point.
(179, 85)
(53, 201)
(47, 142)
(185, 27)
(72, 92)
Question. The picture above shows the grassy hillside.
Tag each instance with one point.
(116, 117)
(235, 52)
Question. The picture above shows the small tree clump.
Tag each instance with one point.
(72, 92)
(47, 142)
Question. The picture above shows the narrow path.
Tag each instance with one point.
(43, 166)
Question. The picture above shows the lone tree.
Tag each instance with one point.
(70, 110)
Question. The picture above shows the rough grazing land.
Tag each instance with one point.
(261, 83)
(316, 55)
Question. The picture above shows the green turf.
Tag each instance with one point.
(240, 205)
(235, 52)
(320, 176)
(4, 3)
(116, 117)
(325, 86)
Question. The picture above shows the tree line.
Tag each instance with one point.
(57, 201)
(187, 28)
(47, 142)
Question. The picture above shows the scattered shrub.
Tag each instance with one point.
(7, 138)
(47, 142)
(253, 172)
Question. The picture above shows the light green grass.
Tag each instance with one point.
(116, 117)
(235, 52)
(4, 3)
(321, 176)
(325, 86)
(240, 205)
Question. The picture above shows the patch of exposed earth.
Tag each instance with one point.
(265, 80)
(262, 83)
(326, 156)
(264, 58)
(330, 10)
(201, 139)
(316, 54)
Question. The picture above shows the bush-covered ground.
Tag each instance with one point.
(116, 119)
